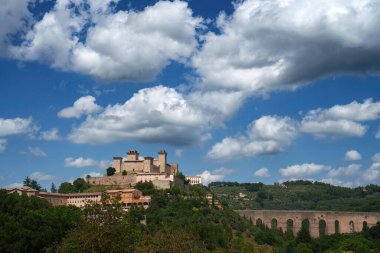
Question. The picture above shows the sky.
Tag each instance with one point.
(248, 91)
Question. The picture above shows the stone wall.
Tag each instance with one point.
(114, 180)
(336, 222)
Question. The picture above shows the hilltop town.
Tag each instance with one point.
(120, 181)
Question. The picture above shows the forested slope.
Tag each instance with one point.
(298, 195)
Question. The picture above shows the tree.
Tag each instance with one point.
(124, 173)
(111, 171)
(66, 187)
(53, 189)
(80, 184)
(32, 183)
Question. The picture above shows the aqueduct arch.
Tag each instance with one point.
(331, 222)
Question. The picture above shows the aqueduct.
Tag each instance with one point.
(318, 222)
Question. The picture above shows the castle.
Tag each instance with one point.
(133, 169)
(133, 163)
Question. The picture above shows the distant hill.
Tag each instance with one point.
(297, 195)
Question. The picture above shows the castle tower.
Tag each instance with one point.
(132, 155)
(162, 156)
(117, 163)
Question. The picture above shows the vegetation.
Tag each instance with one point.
(33, 183)
(111, 171)
(300, 195)
(176, 221)
(79, 185)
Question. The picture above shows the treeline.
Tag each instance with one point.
(176, 221)
(300, 194)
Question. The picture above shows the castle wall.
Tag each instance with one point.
(114, 180)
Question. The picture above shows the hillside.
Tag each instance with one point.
(176, 221)
(297, 195)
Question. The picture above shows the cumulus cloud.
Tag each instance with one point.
(266, 135)
(352, 155)
(348, 171)
(82, 106)
(92, 174)
(341, 120)
(303, 170)
(215, 175)
(126, 45)
(372, 174)
(81, 162)
(13, 16)
(338, 182)
(16, 126)
(157, 114)
(36, 151)
(263, 172)
(51, 135)
(376, 158)
(40, 176)
(266, 45)
(3, 145)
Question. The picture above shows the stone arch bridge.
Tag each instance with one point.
(318, 222)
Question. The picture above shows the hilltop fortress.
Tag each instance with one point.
(133, 163)
(133, 169)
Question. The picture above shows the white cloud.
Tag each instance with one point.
(40, 176)
(267, 45)
(263, 172)
(13, 16)
(338, 182)
(92, 174)
(81, 162)
(352, 155)
(322, 129)
(36, 151)
(126, 45)
(376, 158)
(82, 106)
(348, 171)
(215, 175)
(51, 135)
(372, 173)
(13, 185)
(3, 145)
(157, 114)
(178, 152)
(341, 120)
(266, 135)
(16, 126)
(303, 170)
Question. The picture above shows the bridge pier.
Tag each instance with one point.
(345, 222)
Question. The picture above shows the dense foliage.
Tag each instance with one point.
(79, 185)
(31, 224)
(301, 195)
(176, 221)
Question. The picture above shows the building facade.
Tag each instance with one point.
(133, 169)
(194, 179)
(128, 197)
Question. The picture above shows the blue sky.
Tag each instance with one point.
(242, 91)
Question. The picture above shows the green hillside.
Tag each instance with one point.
(297, 195)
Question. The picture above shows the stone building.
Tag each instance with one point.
(133, 163)
(194, 179)
(129, 197)
(133, 169)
